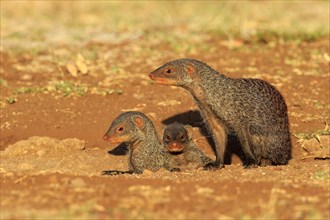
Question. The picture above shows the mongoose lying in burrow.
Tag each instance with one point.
(252, 108)
(177, 139)
(145, 149)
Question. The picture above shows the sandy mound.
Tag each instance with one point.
(40, 146)
(45, 154)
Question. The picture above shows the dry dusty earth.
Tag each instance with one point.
(52, 152)
(68, 69)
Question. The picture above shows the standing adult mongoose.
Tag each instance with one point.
(145, 149)
(252, 108)
(177, 139)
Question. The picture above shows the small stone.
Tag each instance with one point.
(82, 67)
(26, 77)
(72, 69)
(78, 182)
(99, 208)
(80, 57)
(41, 152)
(169, 103)
(326, 57)
(26, 166)
(147, 172)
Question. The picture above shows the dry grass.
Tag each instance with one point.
(34, 23)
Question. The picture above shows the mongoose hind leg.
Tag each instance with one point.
(247, 147)
(260, 150)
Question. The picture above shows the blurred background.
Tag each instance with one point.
(41, 23)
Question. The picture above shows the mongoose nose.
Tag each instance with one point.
(105, 137)
(151, 76)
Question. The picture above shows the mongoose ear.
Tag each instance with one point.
(191, 69)
(139, 122)
(190, 131)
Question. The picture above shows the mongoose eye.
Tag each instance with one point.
(167, 138)
(182, 138)
(169, 71)
(120, 129)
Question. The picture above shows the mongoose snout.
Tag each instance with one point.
(115, 140)
(175, 147)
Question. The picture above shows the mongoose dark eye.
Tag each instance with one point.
(120, 129)
(169, 71)
(167, 138)
(182, 138)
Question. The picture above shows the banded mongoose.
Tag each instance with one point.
(177, 139)
(252, 108)
(145, 148)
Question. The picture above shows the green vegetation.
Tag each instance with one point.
(83, 211)
(64, 88)
(67, 88)
(11, 100)
(319, 105)
(311, 134)
(3, 82)
(322, 174)
(105, 92)
(22, 90)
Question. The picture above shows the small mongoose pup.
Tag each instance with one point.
(177, 139)
(145, 148)
(252, 108)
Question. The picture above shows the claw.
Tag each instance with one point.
(213, 166)
(250, 166)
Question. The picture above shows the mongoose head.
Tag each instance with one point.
(180, 72)
(177, 137)
(126, 128)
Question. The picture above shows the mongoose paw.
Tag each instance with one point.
(115, 172)
(175, 170)
(213, 166)
(110, 172)
(265, 162)
(250, 166)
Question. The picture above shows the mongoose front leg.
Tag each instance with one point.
(219, 135)
(265, 162)
(169, 167)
